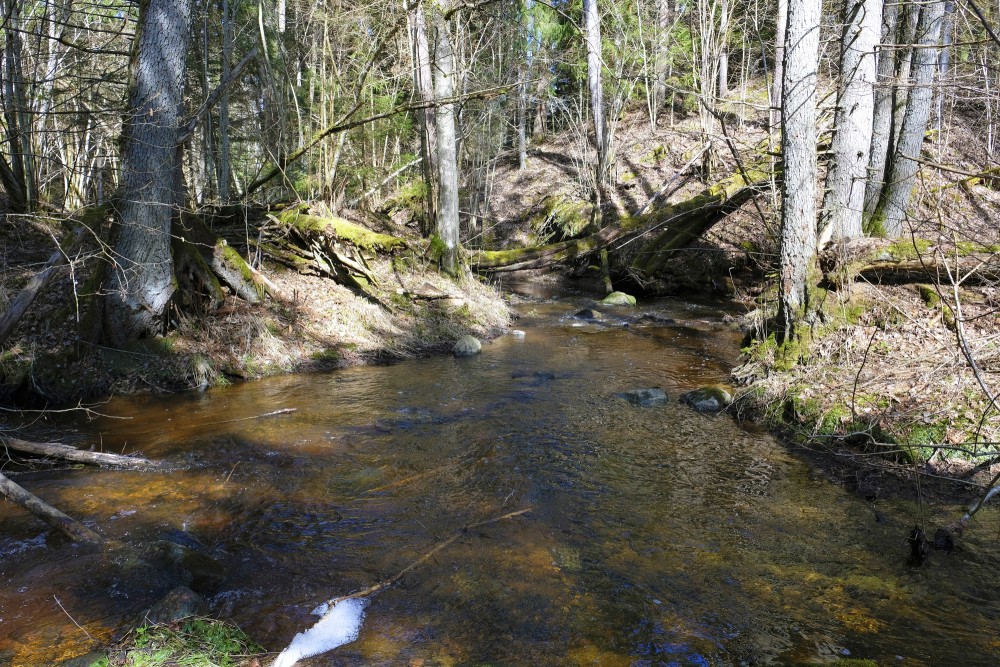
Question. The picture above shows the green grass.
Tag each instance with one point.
(192, 642)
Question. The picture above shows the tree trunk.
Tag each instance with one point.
(68, 453)
(780, 25)
(72, 528)
(911, 137)
(843, 204)
(664, 20)
(140, 279)
(798, 131)
(723, 65)
(592, 37)
(447, 223)
(882, 118)
(224, 174)
(423, 83)
(944, 60)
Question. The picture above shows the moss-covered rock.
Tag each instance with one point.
(467, 346)
(708, 399)
(618, 299)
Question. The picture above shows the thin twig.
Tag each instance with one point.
(72, 619)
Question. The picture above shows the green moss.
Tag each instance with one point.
(562, 218)
(346, 230)
(875, 225)
(907, 248)
(929, 295)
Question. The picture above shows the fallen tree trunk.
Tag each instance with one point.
(330, 247)
(685, 221)
(19, 304)
(904, 261)
(68, 453)
(72, 528)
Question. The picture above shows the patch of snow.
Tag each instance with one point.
(341, 625)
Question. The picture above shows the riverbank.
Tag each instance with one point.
(410, 310)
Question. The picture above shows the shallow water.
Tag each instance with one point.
(656, 536)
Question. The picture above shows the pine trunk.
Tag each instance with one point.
(798, 130)
(843, 204)
(141, 279)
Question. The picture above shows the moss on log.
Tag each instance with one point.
(338, 230)
(685, 221)
(905, 261)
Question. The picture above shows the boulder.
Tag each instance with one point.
(590, 314)
(618, 299)
(179, 603)
(467, 346)
(644, 398)
(708, 399)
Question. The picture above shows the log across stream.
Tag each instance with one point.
(656, 535)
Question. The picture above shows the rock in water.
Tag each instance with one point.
(618, 299)
(708, 399)
(590, 314)
(467, 346)
(177, 604)
(644, 398)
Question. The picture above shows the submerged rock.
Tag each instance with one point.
(618, 299)
(179, 603)
(187, 565)
(644, 398)
(708, 399)
(467, 346)
(590, 314)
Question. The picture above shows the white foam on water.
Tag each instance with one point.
(341, 625)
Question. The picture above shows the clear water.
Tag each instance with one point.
(656, 536)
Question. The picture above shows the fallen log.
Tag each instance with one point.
(72, 528)
(330, 247)
(69, 453)
(685, 221)
(19, 304)
(905, 261)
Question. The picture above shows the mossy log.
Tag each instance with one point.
(327, 246)
(685, 221)
(906, 261)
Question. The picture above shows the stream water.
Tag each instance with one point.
(656, 536)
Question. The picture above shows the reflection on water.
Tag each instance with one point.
(657, 536)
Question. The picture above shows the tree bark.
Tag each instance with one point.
(447, 223)
(72, 528)
(798, 124)
(911, 137)
(423, 81)
(140, 278)
(843, 204)
(664, 20)
(68, 453)
(592, 37)
(781, 23)
(882, 134)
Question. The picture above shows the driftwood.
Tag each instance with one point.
(20, 304)
(330, 247)
(75, 530)
(68, 453)
(905, 261)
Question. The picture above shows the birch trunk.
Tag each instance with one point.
(447, 223)
(882, 118)
(918, 107)
(424, 85)
(592, 37)
(140, 277)
(843, 204)
(798, 130)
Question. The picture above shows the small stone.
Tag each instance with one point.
(708, 399)
(618, 299)
(644, 398)
(467, 346)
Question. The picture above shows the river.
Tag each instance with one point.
(656, 535)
